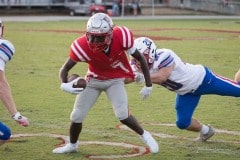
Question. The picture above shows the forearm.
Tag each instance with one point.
(63, 75)
(158, 78)
(162, 75)
(7, 98)
(67, 66)
(148, 81)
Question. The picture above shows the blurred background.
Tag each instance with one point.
(119, 7)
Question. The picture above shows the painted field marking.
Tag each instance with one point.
(136, 149)
(163, 135)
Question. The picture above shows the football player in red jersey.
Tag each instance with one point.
(103, 48)
(7, 51)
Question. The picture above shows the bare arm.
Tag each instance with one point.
(67, 66)
(162, 75)
(6, 94)
(144, 67)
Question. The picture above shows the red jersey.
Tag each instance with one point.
(100, 65)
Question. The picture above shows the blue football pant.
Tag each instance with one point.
(5, 132)
(212, 84)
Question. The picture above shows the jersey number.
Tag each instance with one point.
(120, 65)
(172, 86)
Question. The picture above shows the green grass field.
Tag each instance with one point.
(41, 49)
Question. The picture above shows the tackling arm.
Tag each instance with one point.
(7, 99)
(6, 95)
(162, 75)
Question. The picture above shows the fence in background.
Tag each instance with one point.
(217, 6)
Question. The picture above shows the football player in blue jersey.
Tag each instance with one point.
(7, 50)
(189, 81)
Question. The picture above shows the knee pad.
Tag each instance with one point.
(182, 124)
(5, 132)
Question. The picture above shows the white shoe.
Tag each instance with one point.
(68, 148)
(150, 142)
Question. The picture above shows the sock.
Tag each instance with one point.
(144, 133)
(204, 129)
(74, 145)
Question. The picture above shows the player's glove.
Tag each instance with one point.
(145, 92)
(21, 119)
(139, 77)
(68, 87)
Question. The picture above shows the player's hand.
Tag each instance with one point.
(145, 92)
(68, 87)
(139, 77)
(21, 119)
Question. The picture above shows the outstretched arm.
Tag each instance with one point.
(7, 99)
(144, 67)
(162, 75)
(6, 94)
(147, 89)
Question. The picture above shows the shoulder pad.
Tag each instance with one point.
(7, 50)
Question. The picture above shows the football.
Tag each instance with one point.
(81, 83)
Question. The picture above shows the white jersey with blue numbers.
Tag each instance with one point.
(7, 51)
(185, 77)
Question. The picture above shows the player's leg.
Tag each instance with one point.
(83, 103)
(219, 85)
(116, 93)
(5, 133)
(185, 107)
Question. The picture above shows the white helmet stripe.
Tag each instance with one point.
(126, 37)
(79, 52)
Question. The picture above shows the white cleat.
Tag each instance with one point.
(150, 142)
(68, 148)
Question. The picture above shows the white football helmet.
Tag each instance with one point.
(147, 47)
(1, 29)
(99, 31)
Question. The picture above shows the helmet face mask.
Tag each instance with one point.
(98, 42)
(147, 48)
(99, 32)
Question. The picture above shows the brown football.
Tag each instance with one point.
(81, 83)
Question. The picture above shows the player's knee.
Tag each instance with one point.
(182, 124)
(5, 132)
(75, 116)
(122, 116)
